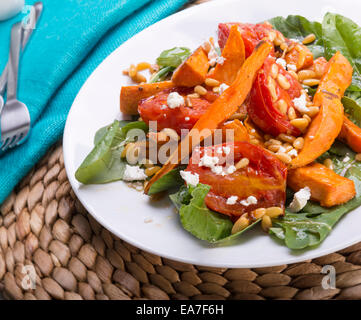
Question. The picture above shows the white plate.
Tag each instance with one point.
(123, 210)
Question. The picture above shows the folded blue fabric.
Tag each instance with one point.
(72, 38)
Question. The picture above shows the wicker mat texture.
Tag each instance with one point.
(43, 225)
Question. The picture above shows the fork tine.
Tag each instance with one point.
(4, 142)
(8, 143)
(16, 140)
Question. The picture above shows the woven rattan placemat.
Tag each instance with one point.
(45, 229)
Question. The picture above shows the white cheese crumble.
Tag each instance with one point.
(300, 103)
(281, 62)
(232, 200)
(292, 67)
(190, 178)
(227, 150)
(133, 173)
(220, 60)
(207, 161)
(175, 100)
(293, 153)
(231, 169)
(218, 170)
(281, 149)
(346, 159)
(163, 106)
(212, 56)
(223, 87)
(250, 200)
(300, 199)
(186, 118)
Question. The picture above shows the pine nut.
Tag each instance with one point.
(274, 71)
(286, 138)
(274, 141)
(139, 78)
(148, 163)
(309, 39)
(284, 157)
(200, 90)
(124, 152)
(328, 163)
(272, 88)
(258, 213)
(306, 74)
(132, 154)
(358, 157)
(171, 133)
(288, 147)
(242, 163)
(313, 111)
(151, 171)
(193, 96)
(300, 123)
(143, 66)
(255, 141)
(212, 82)
(241, 224)
(274, 212)
(274, 147)
(267, 137)
(282, 106)
(307, 117)
(272, 36)
(283, 82)
(216, 89)
(301, 57)
(284, 47)
(266, 223)
(299, 143)
(292, 113)
(132, 71)
(206, 46)
(293, 74)
(311, 82)
(126, 72)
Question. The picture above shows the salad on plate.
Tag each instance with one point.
(259, 127)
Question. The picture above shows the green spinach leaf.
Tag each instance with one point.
(171, 180)
(168, 61)
(297, 27)
(104, 164)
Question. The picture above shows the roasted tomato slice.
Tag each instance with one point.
(269, 102)
(155, 108)
(263, 178)
(252, 34)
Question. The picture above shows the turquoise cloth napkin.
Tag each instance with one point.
(72, 38)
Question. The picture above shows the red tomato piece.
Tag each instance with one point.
(155, 108)
(264, 178)
(252, 34)
(264, 107)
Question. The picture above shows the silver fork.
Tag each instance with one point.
(15, 117)
(34, 17)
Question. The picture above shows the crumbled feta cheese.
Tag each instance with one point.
(190, 178)
(163, 106)
(281, 149)
(133, 173)
(212, 56)
(250, 200)
(232, 200)
(227, 150)
(231, 169)
(223, 87)
(300, 199)
(346, 159)
(300, 103)
(217, 170)
(293, 153)
(186, 118)
(219, 150)
(281, 62)
(220, 60)
(292, 67)
(175, 100)
(208, 161)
